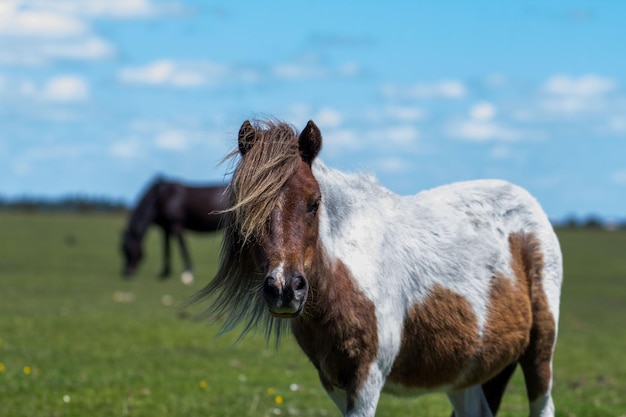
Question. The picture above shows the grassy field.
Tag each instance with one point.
(76, 340)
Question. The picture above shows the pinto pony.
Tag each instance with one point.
(447, 290)
(174, 208)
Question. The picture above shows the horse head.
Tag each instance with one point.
(132, 252)
(285, 244)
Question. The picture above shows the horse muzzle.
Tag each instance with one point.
(285, 296)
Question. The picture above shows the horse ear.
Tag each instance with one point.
(247, 136)
(310, 142)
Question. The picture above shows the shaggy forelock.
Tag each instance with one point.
(260, 175)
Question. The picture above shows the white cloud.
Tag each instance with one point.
(172, 140)
(19, 21)
(89, 48)
(118, 9)
(397, 135)
(445, 89)
(46, 14)
(158, 72)
(481, 126)
(485, 130)
(391, 165)
(40, 31)
(617, 124)
(167, 72)
(497, 80)
(27, 160)
(328, 118)
(565, 95)
(129, 149)
(337, 140)
(293, 71)
(483, 111)
(395, 113)
(500, 152)
(34, 53)
(310, 66)
(405, 113)
(299, 114)
(584, 86)
(619, 177)
(65, 89)
(570, 105)
(59, 89)
(349, 69)
(22, 168)
(173, 73)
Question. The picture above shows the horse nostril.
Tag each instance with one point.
(269, 287)
(299, 284)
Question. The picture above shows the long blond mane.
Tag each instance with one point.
(235, 292)
(261, 173)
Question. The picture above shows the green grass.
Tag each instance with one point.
(70, 347)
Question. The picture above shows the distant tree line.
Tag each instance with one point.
(590, 222)
(69, 204)
(89, 204)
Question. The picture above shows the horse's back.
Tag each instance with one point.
(488, 213)
(485, 201)
(477, 220)
(194, 208)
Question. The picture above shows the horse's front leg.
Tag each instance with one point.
(360, 398)
(166, 270)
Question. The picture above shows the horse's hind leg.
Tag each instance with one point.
(165, 272)
(470, 402)
(536, 362)
(183, 250)
(493, 389)
(544, 276)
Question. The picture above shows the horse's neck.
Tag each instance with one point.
(144, 214)
(333, 289)
(337, 330)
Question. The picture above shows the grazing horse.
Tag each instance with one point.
(447, 290)
(173, 207)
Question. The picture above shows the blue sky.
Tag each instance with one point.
(99, 96)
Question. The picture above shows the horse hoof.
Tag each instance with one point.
(186, 278)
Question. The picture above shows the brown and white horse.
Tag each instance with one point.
(447, 290)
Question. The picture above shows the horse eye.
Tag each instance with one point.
(316, 205)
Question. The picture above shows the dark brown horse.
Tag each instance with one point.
(173, 207)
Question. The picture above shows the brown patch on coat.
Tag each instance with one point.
(338, 330)
(439, 340)
(507, 329)
(441, 344)
(536, 360)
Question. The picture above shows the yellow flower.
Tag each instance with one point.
(203, 384)
(278, 399)
(27, 370)
(2, 367)
(270, 391)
